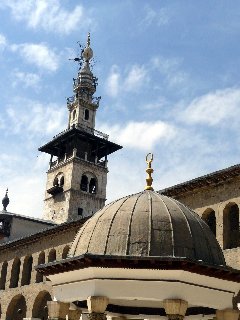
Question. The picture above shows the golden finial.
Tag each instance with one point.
(149, 171)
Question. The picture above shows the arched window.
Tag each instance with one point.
(210, 218)
(52, 255)
(55, 181)
(41, 260)
(61, 183)
(84, 183)
(40, 309)
(59, 180)
(231, 226)
(27, 271)
(3, 276)
(65, 252)
(93, 186)
(17, 308)
(15, 273)
(86, 114)
(74, 114)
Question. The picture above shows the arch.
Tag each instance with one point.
(40, 305)
(65, 252)
(52, 255)
(59, 180)
(74, 114)
(3, 275)
(231, 226)
(210, 218)
(55, 181)
(84, 183)
(27, 270)
(15, 273)
(41, 260)
(86, 114)
(93, 185)
(17, 308)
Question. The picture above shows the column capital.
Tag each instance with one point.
(96, 307)
(227, 314)
(175, 308)
(97, 304)
(57, 310)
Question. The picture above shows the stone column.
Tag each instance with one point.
(175, 308)
(57, 310)
(74, 314)
(227, 314)
(96, 307)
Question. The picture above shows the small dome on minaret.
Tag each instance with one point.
(5, 201)
(87, 52)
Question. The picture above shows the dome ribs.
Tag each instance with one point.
(138, 235)
(183, 245)
(98, 239)
(147, 226)
(129, 225)
(117, 229)
(162, 241)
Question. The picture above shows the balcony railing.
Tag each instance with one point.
(92, 131)
(79, 155)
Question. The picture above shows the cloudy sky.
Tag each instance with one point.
(168, 76)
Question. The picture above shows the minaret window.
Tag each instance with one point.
(74, 114)
(86, 114)
(55, 181)
(84, 183)
(80, 212)
(61, 181)
(92, 186)
(58, 180)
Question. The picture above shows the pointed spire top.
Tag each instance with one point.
(88, 40)
(149, 171)
(5, 201)
(87, 52)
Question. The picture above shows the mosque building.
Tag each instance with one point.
(144, 256)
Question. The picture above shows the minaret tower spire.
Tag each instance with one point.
(82, 105)
(77, 176)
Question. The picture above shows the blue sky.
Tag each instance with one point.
(168, 76)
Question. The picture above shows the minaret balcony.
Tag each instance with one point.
(55, 190)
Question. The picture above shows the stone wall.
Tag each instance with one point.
(18, 259)
(218, 198)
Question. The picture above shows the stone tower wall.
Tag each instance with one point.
(64, 206)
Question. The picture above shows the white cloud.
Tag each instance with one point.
(214, 107)
(113, 82)
(130, 80)
(34, 116)
(29, 80)
(48, 15)
(136, 76)
(140, 135)
(3, 42)
(158, 17)
(38, 54)
(170, 69)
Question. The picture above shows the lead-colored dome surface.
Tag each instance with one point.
(148, 224)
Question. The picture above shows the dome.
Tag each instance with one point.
(148, 224)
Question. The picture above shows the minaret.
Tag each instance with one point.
(77, 176)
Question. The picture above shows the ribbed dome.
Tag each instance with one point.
(148, 224)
